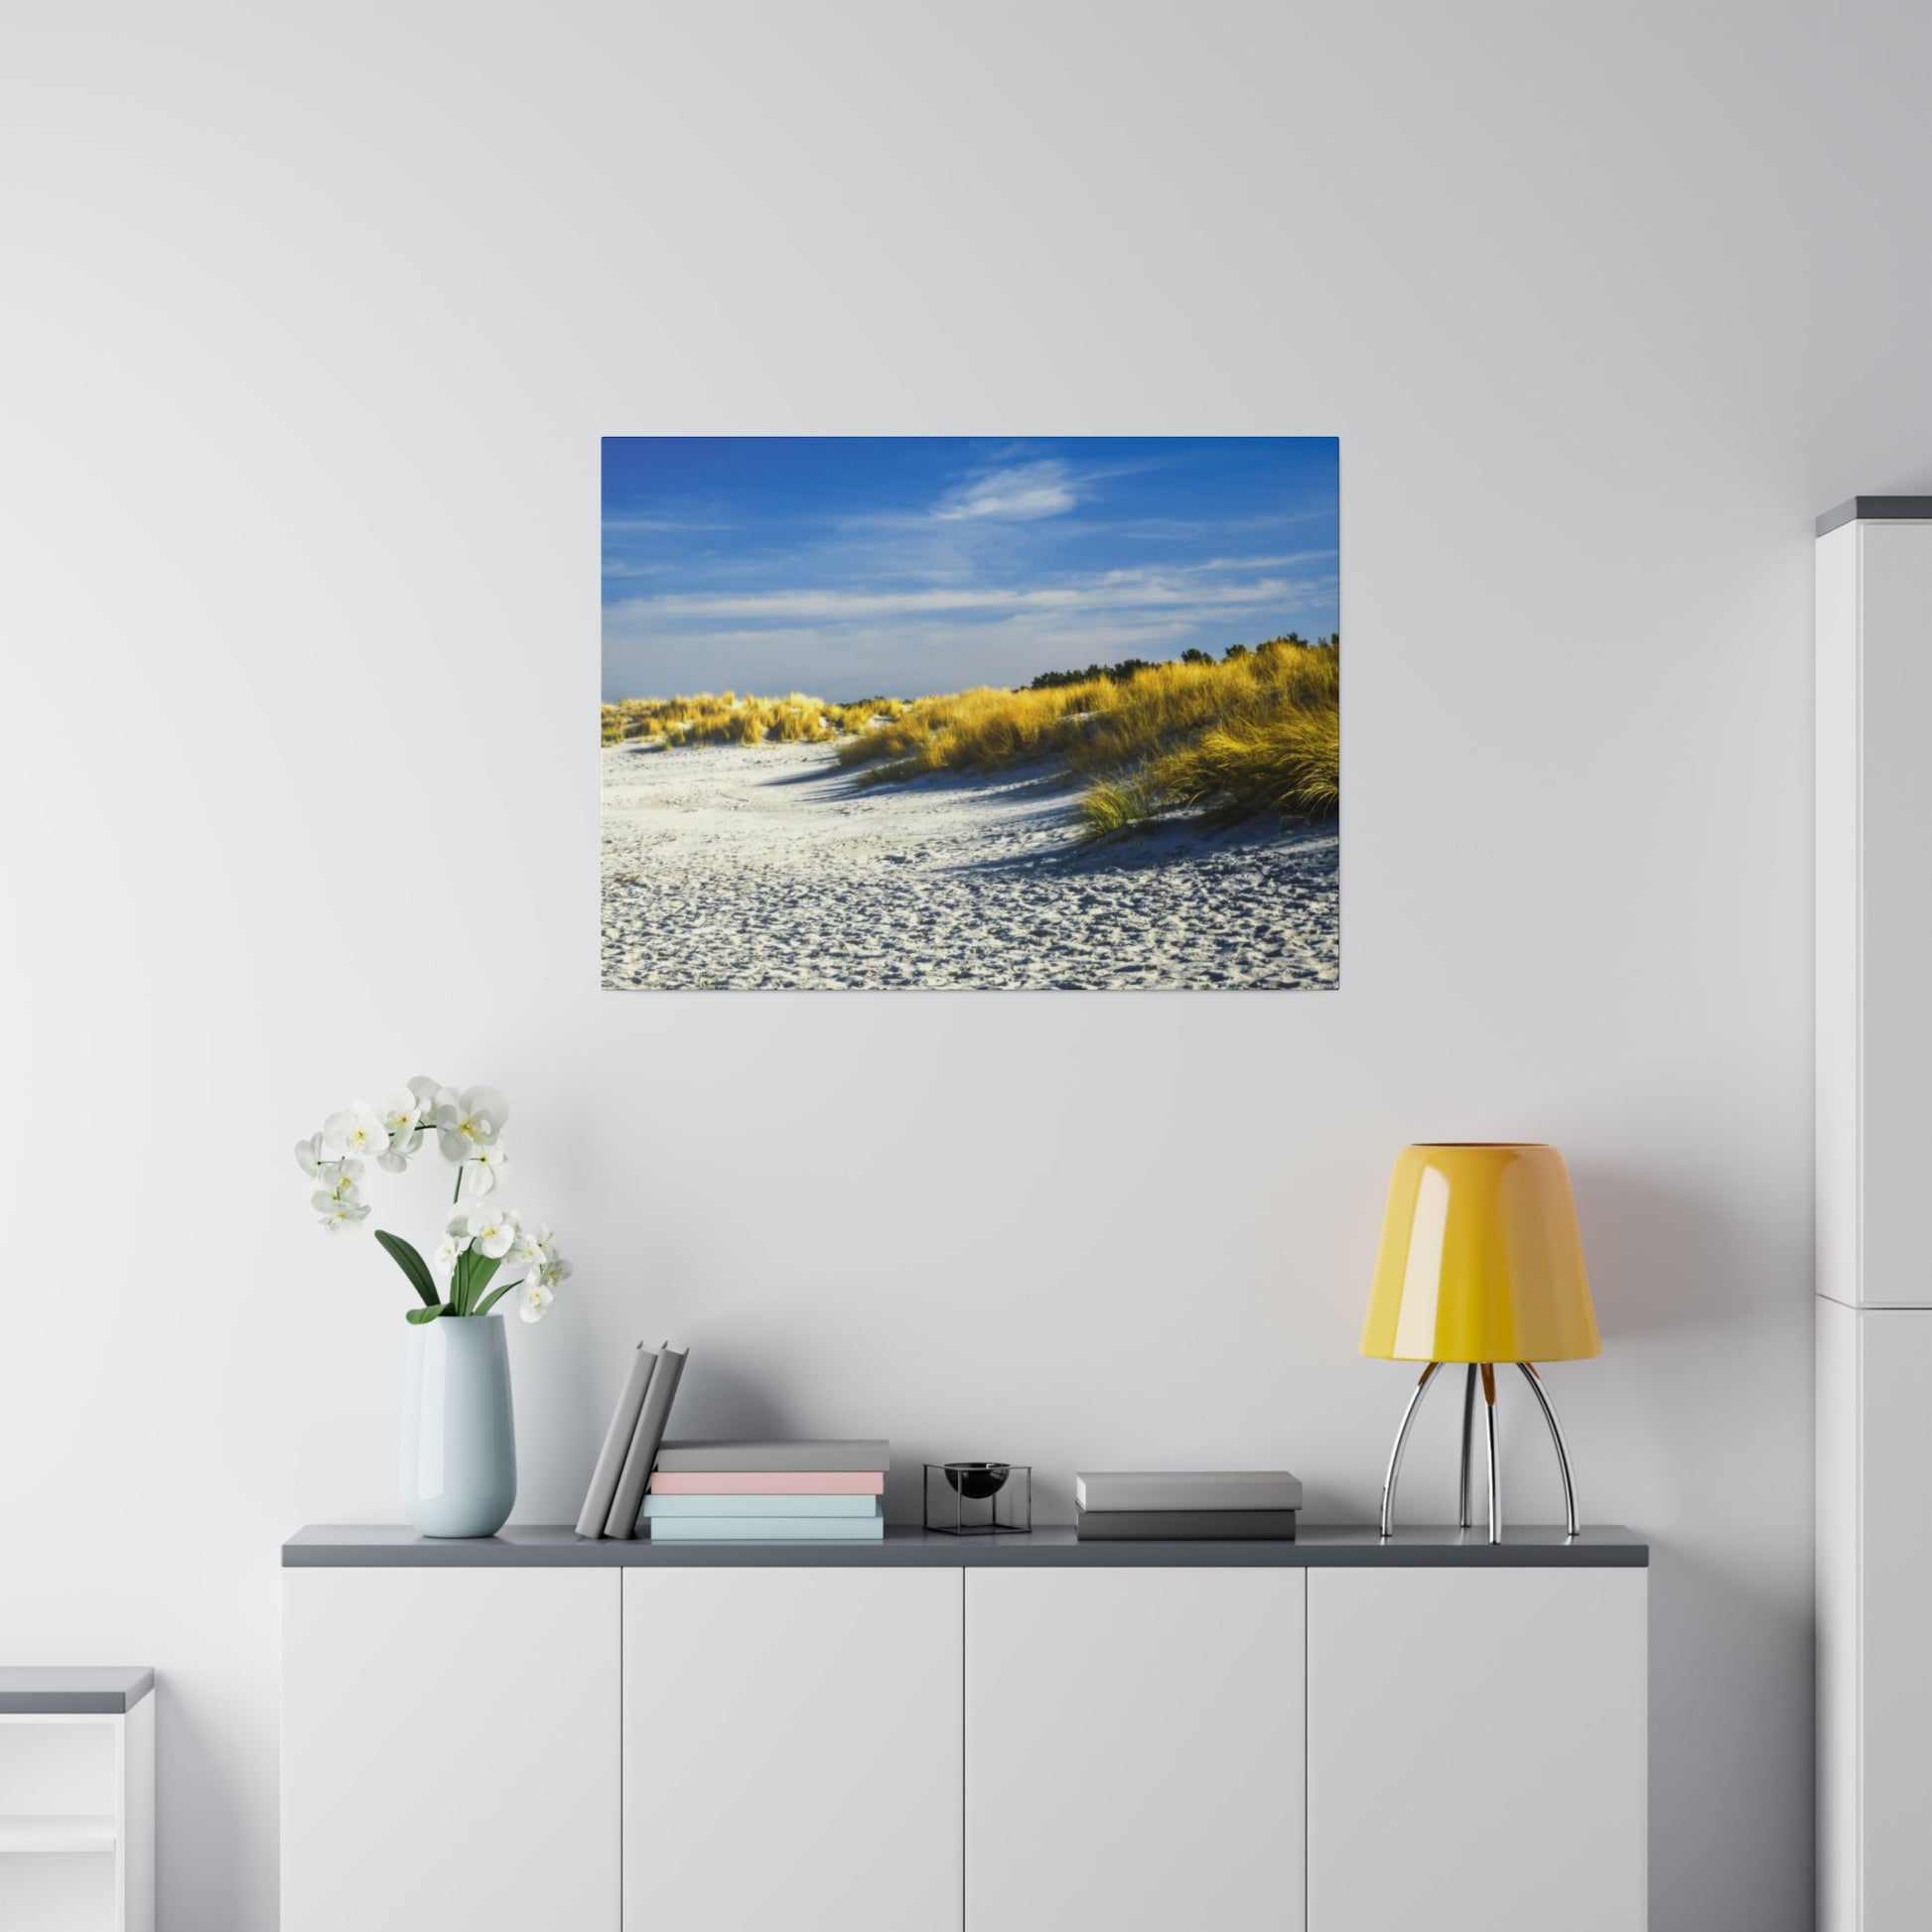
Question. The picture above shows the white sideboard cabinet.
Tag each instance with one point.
(946, 1735)
(1874, 879)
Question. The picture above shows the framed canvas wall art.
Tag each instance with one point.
(963, 713)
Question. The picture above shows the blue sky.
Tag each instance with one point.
(851, 567)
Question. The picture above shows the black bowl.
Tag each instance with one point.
(978, 1480)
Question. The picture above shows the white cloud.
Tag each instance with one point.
(1016, 495)
(1115, 591)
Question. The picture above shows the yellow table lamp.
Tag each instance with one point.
(1480, 1263)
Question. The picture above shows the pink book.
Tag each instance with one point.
(769, 1482)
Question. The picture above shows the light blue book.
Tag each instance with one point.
(767, 1529)
(663, 1506)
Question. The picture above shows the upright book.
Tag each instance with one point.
(645, 1442)
(603, 1492)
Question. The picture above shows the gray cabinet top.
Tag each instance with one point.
(64, 1690)
(546, 1546)
(1876, 510)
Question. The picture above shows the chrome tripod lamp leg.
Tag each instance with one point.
(1495, 1467)
(1556, 1435)
(1401, 1439)
(1463, 1516)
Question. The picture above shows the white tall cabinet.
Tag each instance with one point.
(1874, 1186)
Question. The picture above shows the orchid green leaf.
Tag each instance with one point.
(412, 1264)
(494, 1296)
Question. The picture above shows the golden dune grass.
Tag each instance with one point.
(724, 718)
(1257, 732)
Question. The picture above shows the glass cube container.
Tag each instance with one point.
(979, 1498)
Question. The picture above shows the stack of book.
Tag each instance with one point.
(1226, 1505)
(617, 1493)
(776, 1492)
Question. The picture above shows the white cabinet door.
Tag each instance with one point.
(1134, 1749)
(1477, 1750)
(791, 1750)
(450, 1749)
(1873, 914)
(1895, 1548)
(1895, 824)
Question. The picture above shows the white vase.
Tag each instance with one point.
(459, 1439)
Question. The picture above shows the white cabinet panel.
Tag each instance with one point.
(1835, 883)
(1477, 1750)
(1840, 1333)
(1134, 1749)
(791, 1750)
(1895, 815)
(1895, 1601)
(77, 1821)
(1875, 912)
(137, 1818)
(450, 1749)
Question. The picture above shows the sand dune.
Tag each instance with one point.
(730, 866)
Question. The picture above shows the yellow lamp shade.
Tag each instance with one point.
(1480, 1260)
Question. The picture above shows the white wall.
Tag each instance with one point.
(311, 323)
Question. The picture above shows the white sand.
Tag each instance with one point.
(727, 865)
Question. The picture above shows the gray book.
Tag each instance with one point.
(617, 1444)
(1186, 1526)
(645, 1440)
(1190, 1489)
(738, 1459)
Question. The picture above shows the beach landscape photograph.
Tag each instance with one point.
(971, 713)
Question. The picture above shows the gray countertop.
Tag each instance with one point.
(1876, 510)
(546, 1546)
(64, 1690)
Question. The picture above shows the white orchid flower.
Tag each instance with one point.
(307, 1156)
(487, 1170)
(531, 1301)
(341, 1213)
(340, 1179)
(453, 1244)
(400, 1111)
(533, 1248)
(468, 1121)
(492, 1232)
(551, 1271)
(356, 1130)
